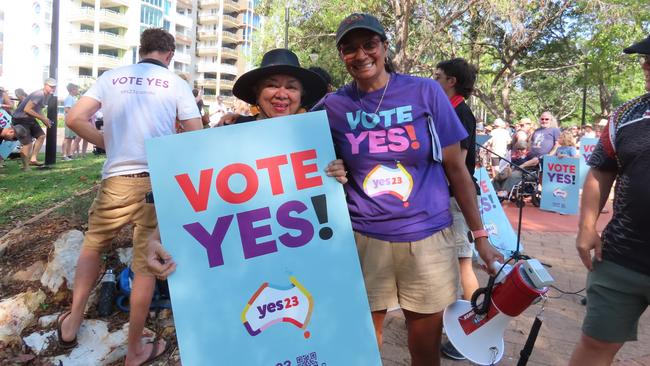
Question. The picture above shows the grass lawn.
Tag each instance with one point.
(25, 194)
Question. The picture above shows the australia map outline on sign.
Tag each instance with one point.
(274, 304)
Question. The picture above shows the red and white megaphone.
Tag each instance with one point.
(479, 337)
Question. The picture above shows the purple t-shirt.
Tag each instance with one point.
(397, 189)
(543, 140)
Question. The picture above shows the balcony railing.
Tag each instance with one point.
(229, 5)
(78, 13)
(207, 82)
(209, 3)
(82, 37)
(182, 19)
(229, 37)
(110, 3)
(207, 50)
(183, 57)
(83, 59)
(229, 53)
(108, 61)
(214, 67)
(230, 21)
(207, 35)
(187, 4)
(183, 38)
(208, 17)
(227, 84)
(113, 40)
(113, 17)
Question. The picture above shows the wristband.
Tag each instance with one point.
(472, 235)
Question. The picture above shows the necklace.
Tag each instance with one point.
(380, 99)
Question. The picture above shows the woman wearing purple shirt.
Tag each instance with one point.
(399, 138)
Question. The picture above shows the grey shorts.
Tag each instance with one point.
(616, 298)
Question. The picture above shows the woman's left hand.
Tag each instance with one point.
(488, 253)
(337, 170)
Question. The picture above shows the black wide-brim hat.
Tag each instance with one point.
(280, 61)
(642, 47)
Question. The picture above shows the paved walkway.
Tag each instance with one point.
(562, 317)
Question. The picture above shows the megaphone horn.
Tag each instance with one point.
(479, 337)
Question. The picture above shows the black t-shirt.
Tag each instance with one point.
(468, 120)
(626, 238)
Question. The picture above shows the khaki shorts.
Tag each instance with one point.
(120, 201)
(459, 229)
(419, 276)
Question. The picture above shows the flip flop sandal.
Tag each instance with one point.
(154, 355)
(66, 345)
(35, 163)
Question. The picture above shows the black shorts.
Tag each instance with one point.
(31, 125)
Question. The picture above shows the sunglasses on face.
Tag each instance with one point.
(369, 47)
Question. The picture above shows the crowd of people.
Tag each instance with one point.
(28, 111)
(525, 143)
(416, 251)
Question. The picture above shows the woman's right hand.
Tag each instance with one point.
(337, 170)
(227, 119)
(160, 263)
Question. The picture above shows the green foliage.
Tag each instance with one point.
(531, 55)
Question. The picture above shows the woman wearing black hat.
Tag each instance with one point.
(279, 87)
(399, 138)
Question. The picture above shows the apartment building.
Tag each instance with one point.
(26, 38)
(2, 29)
(213, 39)
(224, 36)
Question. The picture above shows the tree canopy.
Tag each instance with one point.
(531, 55)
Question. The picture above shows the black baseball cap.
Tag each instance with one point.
(642, 47)
(359, 21)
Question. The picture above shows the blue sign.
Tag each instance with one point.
(560, 185)
(6, 147)
(495, 221)
(587, 146)
(482, 139)
(267, 267)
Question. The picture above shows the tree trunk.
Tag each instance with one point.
(605, 99)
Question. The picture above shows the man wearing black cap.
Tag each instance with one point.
(618, 283)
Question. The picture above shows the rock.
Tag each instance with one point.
(32, 273)
(39, 341)
(17, 312)
(125, 255)
(97, 346)
(63, 262)
(47, 320)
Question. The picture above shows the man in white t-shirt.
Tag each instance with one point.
(499, 141)
(139, 102)
(70, 136)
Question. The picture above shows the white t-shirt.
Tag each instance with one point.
(139, 102)
(500, 140)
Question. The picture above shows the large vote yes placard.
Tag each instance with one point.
(267, 268)
(560, 185)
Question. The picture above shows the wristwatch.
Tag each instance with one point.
(472, 235)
